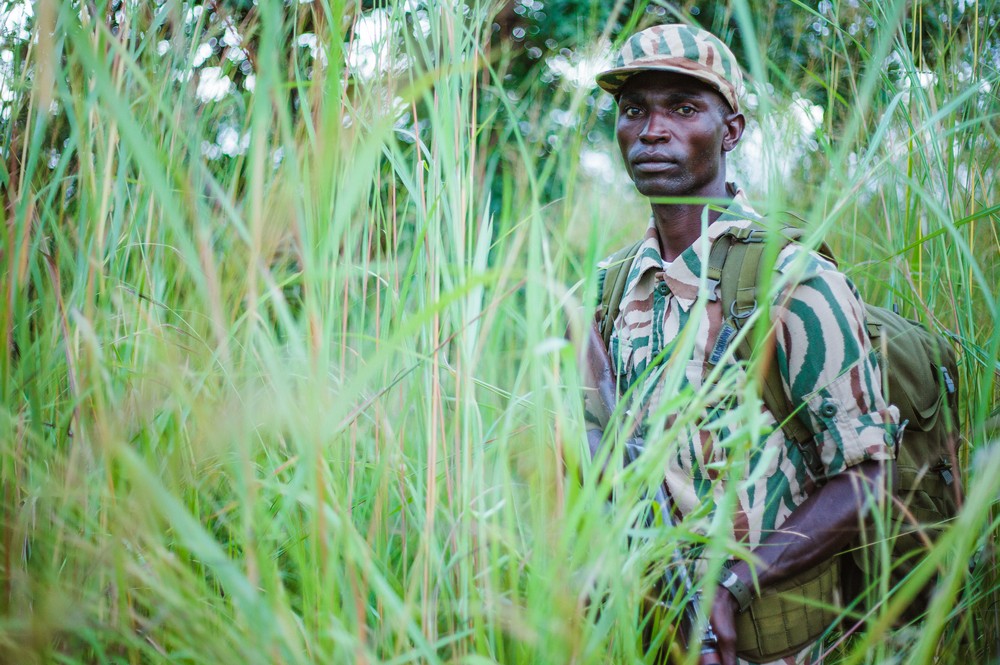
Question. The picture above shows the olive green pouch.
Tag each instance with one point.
(788, 617)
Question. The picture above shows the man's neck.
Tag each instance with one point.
(679, 224)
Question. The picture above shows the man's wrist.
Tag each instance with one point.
(740, 591)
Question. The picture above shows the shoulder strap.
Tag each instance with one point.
(739, 263)
(735, 260)
(613, 288)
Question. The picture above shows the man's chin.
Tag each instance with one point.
(663, 194)
(661, 187)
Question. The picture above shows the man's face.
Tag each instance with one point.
(672, 131)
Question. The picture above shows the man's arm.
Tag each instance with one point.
(825, 361)
(600, 393)
(817, 530)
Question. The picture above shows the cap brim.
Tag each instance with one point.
(613, 80)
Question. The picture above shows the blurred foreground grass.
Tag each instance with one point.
(311, 402)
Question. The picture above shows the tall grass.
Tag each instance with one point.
(313, 402)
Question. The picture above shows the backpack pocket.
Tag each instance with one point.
(790, 616)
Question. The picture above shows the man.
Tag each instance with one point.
(677, 89)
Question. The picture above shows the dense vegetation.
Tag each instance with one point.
(285, 286)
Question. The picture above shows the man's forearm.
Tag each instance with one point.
(819, 528)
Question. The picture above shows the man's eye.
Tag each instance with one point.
(686, 110)
(631, 111)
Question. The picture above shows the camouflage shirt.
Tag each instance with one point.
(668, 326)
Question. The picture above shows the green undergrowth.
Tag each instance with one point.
(309, 398)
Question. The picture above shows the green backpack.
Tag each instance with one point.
(921, 370)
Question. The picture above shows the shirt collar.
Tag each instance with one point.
(684, 274)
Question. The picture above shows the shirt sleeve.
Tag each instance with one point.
(828, 368)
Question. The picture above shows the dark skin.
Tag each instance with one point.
(674, 133)
(821, 527)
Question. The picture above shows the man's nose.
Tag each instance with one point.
(655, 130)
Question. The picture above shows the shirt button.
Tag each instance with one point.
(828, 409)
(661, 288)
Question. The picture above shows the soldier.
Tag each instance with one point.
(678, 93)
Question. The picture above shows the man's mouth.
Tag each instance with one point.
(653, 165)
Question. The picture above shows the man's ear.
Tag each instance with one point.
(734, 124)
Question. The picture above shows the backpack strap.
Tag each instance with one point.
(737, 258)
(735, 261)
(613, 288)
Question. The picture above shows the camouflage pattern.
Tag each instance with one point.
(668, 321)
(682, 49)
(822, 352)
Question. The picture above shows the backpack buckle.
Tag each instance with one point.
(745, 313)
(810, 455)
(749, 234)
(897, 437)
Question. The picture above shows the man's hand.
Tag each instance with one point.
(723, 621)
(815, 531)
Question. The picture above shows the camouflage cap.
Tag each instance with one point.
(682, 49)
